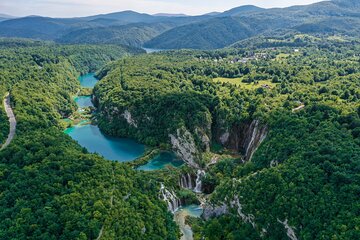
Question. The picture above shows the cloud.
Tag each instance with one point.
(71, 8)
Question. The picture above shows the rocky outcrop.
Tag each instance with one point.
(289, 230)
(184, 146)
(244, 138)
(204, 139)
(170, 198)
(247, 218)
(129, 119)
(214, 211)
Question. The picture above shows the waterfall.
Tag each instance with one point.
(253, 127)
(170, 198)
(186, 181)
(200, 174)
(258, 134)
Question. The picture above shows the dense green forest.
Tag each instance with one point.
(133, 34)
(306, 171)
(295, 97)
(51, 188)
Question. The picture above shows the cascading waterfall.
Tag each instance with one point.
(258, 135)
(200, 174)
(170, 198)
(254, 127)
(186, 181)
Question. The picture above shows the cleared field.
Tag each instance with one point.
(238, 82)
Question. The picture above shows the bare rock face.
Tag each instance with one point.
(214, 211)
(128, 117)
(244, 138)
(184, 146)
(247, 218)
(290, 232)
(204, 138)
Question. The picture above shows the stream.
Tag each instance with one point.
(180, 217)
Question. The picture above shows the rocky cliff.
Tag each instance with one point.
(244, 137)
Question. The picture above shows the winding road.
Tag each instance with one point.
(12, 121)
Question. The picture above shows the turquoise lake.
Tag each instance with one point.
(192, 210)
(88, 81)
(162, 160)
(84, 101)
(112, 148)
(115, 149)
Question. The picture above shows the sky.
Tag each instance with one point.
(77, 8)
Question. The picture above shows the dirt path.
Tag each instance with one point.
(12, 121)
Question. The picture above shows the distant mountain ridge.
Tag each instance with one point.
(4, 17)
(173, 31)
(327, 17)
(170, 15)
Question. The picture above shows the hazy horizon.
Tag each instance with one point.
(80, 8)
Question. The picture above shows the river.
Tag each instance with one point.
(180, 218)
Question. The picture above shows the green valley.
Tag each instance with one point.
(241, 124)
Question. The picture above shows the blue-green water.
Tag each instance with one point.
(88, 81)
(115, 149)
(111, 148)
(161, 161)
(180, 218)
(192, 210)
(84, 101)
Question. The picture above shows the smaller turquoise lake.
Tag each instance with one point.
(115, 149)
(84, 101)
(161, 161)
(88, 81)
(192, 210)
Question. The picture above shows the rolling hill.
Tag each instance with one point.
(335, 17)
(132, 34)
(174, 31)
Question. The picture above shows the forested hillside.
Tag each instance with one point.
(304, 101)
(131, 35)
(208, 31)
(328, 17)
(261, 139)
(51, 187)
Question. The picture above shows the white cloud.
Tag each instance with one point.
(70, 8)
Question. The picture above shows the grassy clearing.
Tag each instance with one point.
(238, 82)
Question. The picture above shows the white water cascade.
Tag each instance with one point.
(186, 181)
(200, 174)
(170, 198)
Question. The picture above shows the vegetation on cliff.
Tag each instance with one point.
(303, 178)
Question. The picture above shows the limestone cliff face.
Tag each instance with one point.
(244, 138)
(184, 146)
(214, 211)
